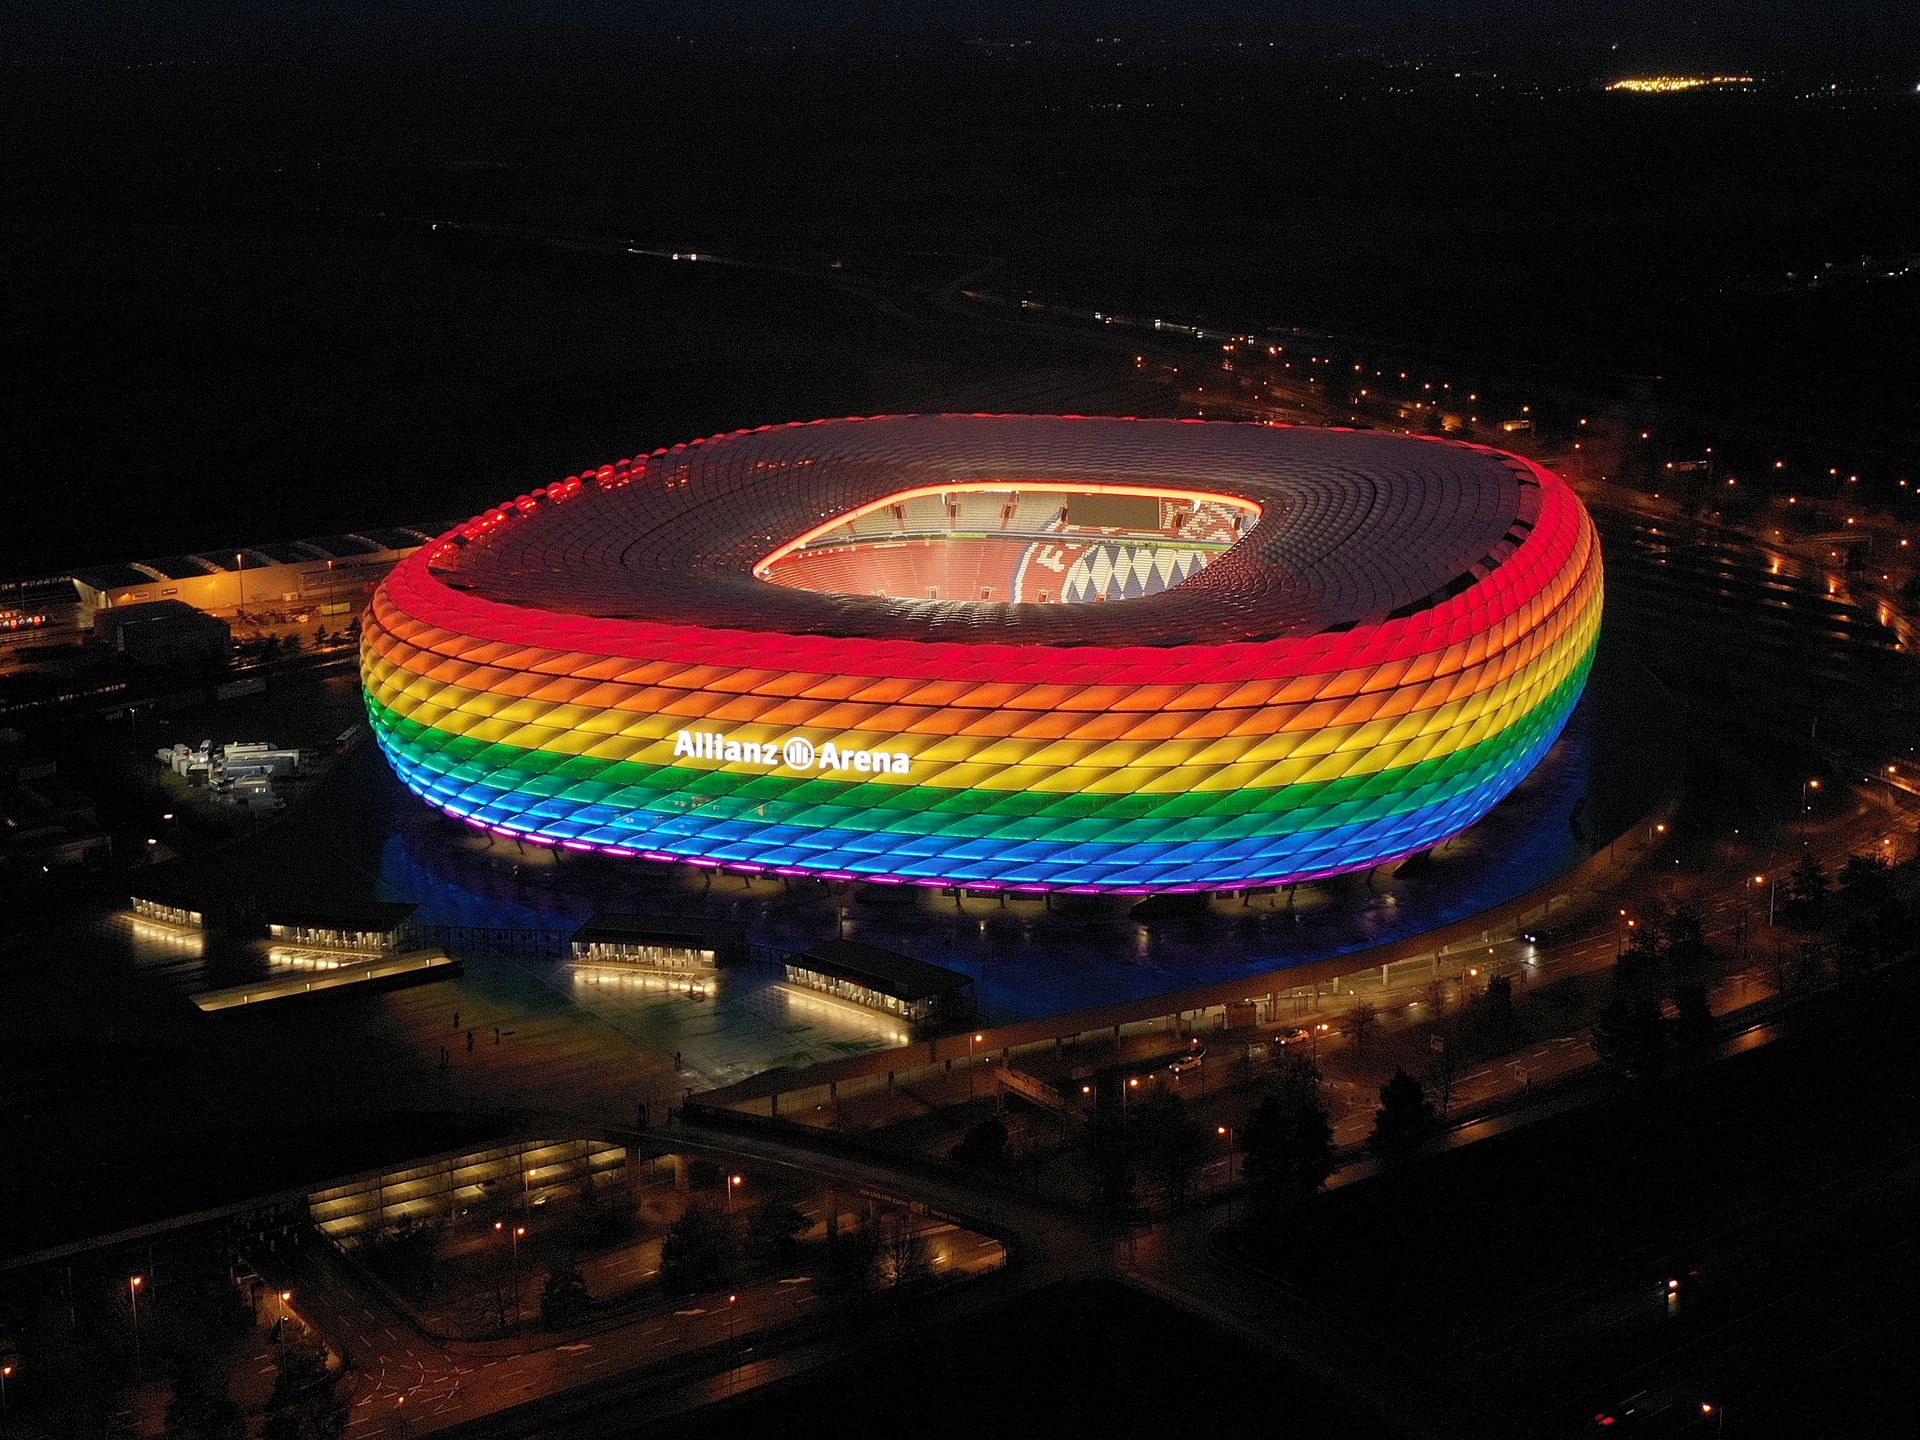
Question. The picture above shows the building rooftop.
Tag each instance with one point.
(341, 547)
(158, 612)
(887, 971)
(112, 577)
(362, 914)
(693, 930)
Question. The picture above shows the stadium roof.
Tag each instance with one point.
(1354, 527)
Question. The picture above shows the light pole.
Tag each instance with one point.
(1718, 1414)
(732, 1300)
(1226, 1132)
(734, 1182)
(134, 1282)
(6, 1371)
(972, 1040)
(240, 578)
(518, 1231)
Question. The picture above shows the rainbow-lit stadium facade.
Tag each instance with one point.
(1360, 644)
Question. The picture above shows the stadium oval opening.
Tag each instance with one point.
(1013, 542)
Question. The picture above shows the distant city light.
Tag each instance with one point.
(1672, 84)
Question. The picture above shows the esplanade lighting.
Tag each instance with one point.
(1000, 651)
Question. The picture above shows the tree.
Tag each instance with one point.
(905, 1257)
(1805, 901)
(500, 1293)
(1866, 883)
(1565, 994)
(1683, 944)
(853, 1255)
(1442, 1070)
(697, 1253)
(1404, 1119)
(565, 1300)
(1287, 1139)
(1877, 928)
(306, 1403)
(201, 1407)
(1629, 1033)
(1496, 1006)
(986, 1145)
(1172, 1144)
(773, 1232)
(1360, 1022)
(1694, 1022)
(1110, 1149)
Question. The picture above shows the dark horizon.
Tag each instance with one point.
(1881, 32)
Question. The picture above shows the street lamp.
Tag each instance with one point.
(5, 1372)
(134, 1282)
(972, 1040)
(734, 1182)
(732, 1300)
(1718, 1413)
(1226, 1131)
(500, 1228)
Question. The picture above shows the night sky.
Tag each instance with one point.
(185, 30)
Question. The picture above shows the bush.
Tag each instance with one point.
(565, 1299)
(986, 1145)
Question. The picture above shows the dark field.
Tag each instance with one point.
(1769, 1186)
(1091, 1358)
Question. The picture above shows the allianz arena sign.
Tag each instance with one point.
(797, 753)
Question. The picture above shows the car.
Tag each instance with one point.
(1295, 1036)
(1191, 1060)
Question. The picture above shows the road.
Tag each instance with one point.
(408, 1384)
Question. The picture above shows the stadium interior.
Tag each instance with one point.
(1023, 546)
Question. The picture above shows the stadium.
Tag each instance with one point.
(1037, 653)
